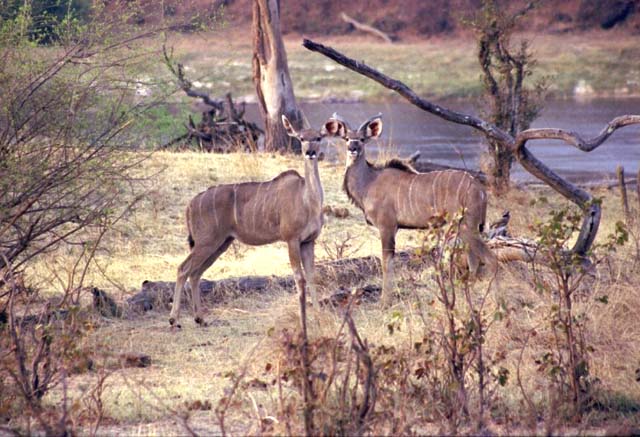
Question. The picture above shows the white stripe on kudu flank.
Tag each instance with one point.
(447, 187)
(255, 205)
(433, 190)
(235, 203)
(202, 196)
(411, 197)
(213, 205)
(458, 190)
(466, 191)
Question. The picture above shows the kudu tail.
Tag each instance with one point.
(188, 220)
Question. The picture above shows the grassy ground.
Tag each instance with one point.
(608, 63)
(194, 364)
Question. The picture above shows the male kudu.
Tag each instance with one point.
(287, 208)
(398, 197)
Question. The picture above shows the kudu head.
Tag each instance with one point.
(356, 140)
(310, 139)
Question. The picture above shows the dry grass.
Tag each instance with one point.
(194, 363)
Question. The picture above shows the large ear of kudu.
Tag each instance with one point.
(335, 127)
(371, 128)
(288, 127)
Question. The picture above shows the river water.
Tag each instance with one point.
(407, 129)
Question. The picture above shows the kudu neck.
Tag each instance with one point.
(357, 177)
(313, 188)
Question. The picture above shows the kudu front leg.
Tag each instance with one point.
(308, 262)
(388, 239)
(295, 259)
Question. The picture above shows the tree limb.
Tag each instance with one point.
(185, 85)
(406, 92)
(366, 28)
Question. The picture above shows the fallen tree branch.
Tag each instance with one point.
(222, 127)
(591, 209)
(509, 249)
(366, 28)
(343, 274)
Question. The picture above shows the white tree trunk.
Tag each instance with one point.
(271, 76)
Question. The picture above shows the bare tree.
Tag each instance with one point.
(590, 207)
(271, 77)
(509, 103)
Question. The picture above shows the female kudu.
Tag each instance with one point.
(287, 208)
(397, 197)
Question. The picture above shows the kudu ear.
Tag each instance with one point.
(288, 127)
(371, 128)
(334, 128)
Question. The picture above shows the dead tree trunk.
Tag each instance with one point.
(623, 193)
(271, 77)
(517, 145)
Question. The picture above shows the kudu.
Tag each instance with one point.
(396, 196)
(287, 208)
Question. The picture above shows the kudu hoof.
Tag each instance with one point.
(173, 323)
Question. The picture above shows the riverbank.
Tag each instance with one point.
(583, 65)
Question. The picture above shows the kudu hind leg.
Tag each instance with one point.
(192, 268)
(196, 275)
(183, 274)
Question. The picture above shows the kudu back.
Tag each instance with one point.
(287, 208)
(398, 197)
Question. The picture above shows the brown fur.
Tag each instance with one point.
(398, 164)
(287, 208)
(395, 196)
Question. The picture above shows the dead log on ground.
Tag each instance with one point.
(345, 273)
(509, 249)
(339, 276)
